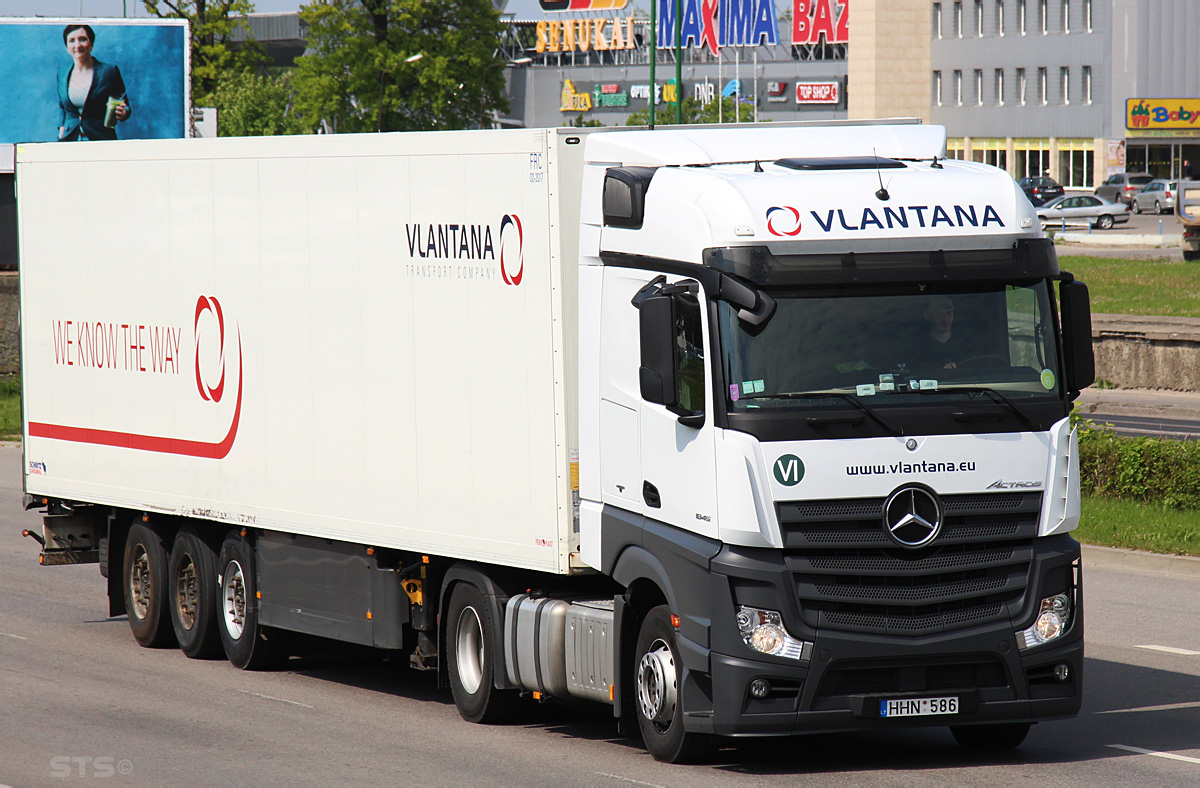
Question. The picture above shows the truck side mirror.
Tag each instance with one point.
(1080, 363)
(657, 374)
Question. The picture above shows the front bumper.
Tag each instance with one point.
(984, 670)
(850, 672)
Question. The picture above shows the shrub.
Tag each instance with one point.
(1147, 470)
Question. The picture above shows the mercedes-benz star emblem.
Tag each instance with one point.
(912, 516)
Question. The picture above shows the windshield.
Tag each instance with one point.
(892, 345)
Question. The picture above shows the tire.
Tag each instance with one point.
(144, 579)
(1105, 222)
(1005, 736)
(658, 669)
(193, 595)
(1190, 255)
(1157, 208)
(471, 659)
(247, 644)
(1137, 207)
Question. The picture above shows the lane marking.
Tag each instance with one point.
(1164, 707)
(17, 637)
(629, 780)
(272, 697)
(1140, 751)
(1183, 652)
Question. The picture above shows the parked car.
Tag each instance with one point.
(1158, 196)
(1040, 190)
(1084, 209)
(1122, 186)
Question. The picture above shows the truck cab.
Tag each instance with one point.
(829, 388)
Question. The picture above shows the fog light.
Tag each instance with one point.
(763, 631)
(1054, 616)
(1062, 671)
(760, 688)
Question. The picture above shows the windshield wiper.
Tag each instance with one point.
(818, 421)
(996, 397)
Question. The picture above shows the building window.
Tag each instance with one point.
(958, 87)
(1076, 159)
(1021, 86)
(1021, 17)
(999, 87)
(1043, 16)
(979, 18)
(1000, 18)
(958, 13)
(1087, 15)
(937, 88)
(1043, 97)
(1032, 158)
(937, 20)
(979, 87)
(1066, 15)
(1064, 76)
(1087, 84)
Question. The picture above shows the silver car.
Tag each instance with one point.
(1158, 196)
(1083, 209)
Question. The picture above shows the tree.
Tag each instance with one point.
(251, 105)
(398, 65)
(213, 23)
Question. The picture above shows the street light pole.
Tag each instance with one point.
(653, 54)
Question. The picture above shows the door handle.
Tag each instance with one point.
(650, 495)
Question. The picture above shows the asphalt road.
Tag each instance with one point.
(83, 704)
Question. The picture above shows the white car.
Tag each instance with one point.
(1083, 209)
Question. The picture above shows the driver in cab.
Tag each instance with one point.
(940, 346)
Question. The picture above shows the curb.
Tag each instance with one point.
(1095, 239)
(1178, 567)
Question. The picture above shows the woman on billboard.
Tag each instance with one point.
(91, 94)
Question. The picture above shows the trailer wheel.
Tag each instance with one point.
(247, 644)
(990, 737)
(193, 584)
(471, 659)
(659, 712)
(145, 583)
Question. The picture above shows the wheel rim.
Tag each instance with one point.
(139, 582)
(657, 686)
(469, 650)
(1157, 208)
(234, 593)
(187, 593)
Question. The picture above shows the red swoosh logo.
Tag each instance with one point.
(154, 443)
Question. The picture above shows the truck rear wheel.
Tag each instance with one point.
(1191, 255)
(145, 583)
(193, 584)
(247, 644)
(990, 737)
(471, 659)
(659, 712)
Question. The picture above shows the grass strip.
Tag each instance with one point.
(1166, 287)
(1111, 522)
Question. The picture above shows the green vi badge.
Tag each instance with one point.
(789, 470)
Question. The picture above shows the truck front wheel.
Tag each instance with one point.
(145, 583)
(248, 645)
(659, 712)
(471, 658)
(193, 583)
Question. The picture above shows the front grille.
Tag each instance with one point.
(912, 675)
(849, 575)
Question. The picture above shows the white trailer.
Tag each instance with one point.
(643, 418)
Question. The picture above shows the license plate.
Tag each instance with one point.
(917, 707)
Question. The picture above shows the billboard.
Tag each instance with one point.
(49, 94)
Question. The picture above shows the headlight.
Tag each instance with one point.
(1052, 621)
(763, 631)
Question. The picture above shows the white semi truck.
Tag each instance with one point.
(740, 431)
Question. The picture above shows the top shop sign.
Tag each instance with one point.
(719, 23)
